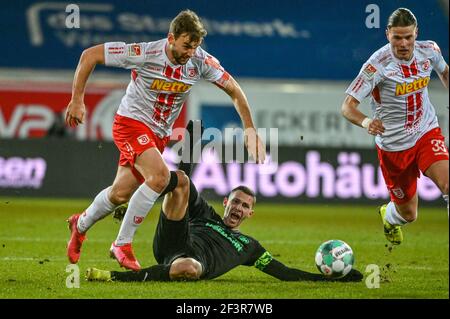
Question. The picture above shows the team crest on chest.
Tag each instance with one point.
(426, 65)
(192, 72)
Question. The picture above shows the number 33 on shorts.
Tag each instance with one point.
(439, 147)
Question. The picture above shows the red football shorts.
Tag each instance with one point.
(132, 138)
(401, 169)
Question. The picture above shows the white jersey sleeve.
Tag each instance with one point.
(437, 60)
(210, 68)
(368, 78)
(122, 55)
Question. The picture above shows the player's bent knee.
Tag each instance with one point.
(183, 180)
(159, 181)
(182, 189)
(186, 269)
(191, 273)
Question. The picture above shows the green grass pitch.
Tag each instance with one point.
(33, 236)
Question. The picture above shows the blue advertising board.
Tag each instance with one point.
(32, 168)
(271, 39)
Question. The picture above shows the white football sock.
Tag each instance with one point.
(140, 204)
(100, 208)
(393, 217)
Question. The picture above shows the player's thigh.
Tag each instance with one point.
(124, 185)
(171, 239)
(438, 173)
(151, 165)
(433, 158)
(400, 172)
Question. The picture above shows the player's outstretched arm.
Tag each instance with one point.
(255, 146)
(282, 272)
(350, 111)
(444, 77)
(88, 60)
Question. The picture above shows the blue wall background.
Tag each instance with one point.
(270, 39)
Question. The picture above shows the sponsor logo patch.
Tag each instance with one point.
(406, 88)
(369, 71)
(162, 85)
(138, 219)
(134, 50)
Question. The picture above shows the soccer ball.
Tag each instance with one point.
(334, 258)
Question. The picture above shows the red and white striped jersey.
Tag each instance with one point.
(158, 89)
(399, 93)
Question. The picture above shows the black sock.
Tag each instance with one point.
(173, 182)
(186, 167)
(153, 273)
(189, 144)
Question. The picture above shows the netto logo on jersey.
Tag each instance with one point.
(162, 85)
(418, 84)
